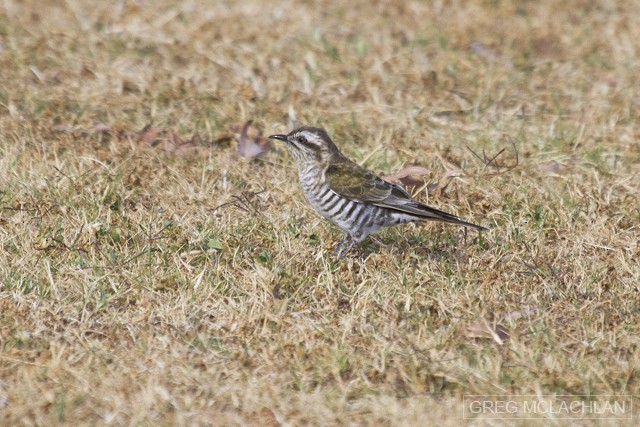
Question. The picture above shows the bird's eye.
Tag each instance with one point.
(302, 139)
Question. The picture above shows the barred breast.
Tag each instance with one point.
(355, 218)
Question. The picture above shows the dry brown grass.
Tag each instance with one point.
(129, 295)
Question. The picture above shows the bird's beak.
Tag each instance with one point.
(281, 137)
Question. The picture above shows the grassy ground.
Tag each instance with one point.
(140, 286)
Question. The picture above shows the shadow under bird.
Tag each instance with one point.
(350, 196)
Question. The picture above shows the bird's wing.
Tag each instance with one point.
(358, 184)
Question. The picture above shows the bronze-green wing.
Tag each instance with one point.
(356, 183)
(347, 179)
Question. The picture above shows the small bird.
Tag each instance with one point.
(353, 198)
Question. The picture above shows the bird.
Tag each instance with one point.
(353, 198)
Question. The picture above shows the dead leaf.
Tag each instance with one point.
(175, 144)
(149, 135)
(64, 128)
(251, 143)
(99, 127)
(485, 329)
(87, 73)
(267, 417)
(515, 315)
(192, 146)
(409, 177)
(224, 140)
(170, 141)
(128, 134)
(484, 51)
(275, 291)
(447, 117)
(548, 47)
(39, 74)
(444, 181)
(553, 168)
(129, 86)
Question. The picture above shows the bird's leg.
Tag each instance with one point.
(340, 253)
(379, 242)
(341, 245)
(353, 242)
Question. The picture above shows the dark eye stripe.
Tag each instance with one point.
(309, 143)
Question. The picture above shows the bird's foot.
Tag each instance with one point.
(341, 251)
(378, 242)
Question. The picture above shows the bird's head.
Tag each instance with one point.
(309, 144)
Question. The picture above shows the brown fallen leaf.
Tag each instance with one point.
(267, 418)
(515, 315)
(251, 143)
(170, 141)
(484, 51)
(225, 140)
(484, 329)
(149, 135)
(548, 47)
(443, 182)
(64, 128)
(174, 144)
(192, 146)
(38, 74)
(449, 116)
(409, 177)
(128, 135)
(99, 127)
(553, 167)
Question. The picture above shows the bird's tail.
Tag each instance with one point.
(432, 214)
